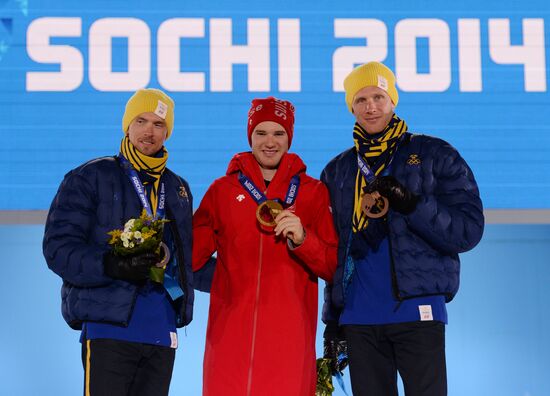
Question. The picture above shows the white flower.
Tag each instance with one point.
(131, 245)
(125, 243)
(129, 224)
(137, 235)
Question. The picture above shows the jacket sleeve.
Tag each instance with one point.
(451, 219)
(204, 242)
(319, 250)
(69, 226)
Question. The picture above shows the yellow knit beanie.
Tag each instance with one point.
(149, 100)
(372, 74)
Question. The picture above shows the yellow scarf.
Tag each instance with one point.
(383, 147)
(153, 166)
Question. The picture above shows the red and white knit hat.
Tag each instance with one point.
(271, 109)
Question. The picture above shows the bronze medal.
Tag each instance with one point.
(374, 205)
(267, 211)
(165, 254)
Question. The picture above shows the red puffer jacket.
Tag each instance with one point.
(263, 300)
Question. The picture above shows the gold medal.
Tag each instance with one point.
(267, 211)
(374, 205)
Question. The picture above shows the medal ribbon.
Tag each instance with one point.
(260, 197)
(151, 166)
(170, 276)
(141, 192)
(366, 170)
(383, 146)
(340, 379)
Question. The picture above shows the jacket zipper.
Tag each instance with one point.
(395, 286)
(181, 267)
(255, 319)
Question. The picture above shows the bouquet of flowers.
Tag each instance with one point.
(324, 385)
(142, 235)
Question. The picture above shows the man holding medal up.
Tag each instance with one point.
(128, 306)
(271, 226)
(405, 206)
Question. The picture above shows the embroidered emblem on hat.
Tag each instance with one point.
(382, 83)
(161, 110)
(240, 197)
(413, 160)
(280, 108)
(183, 192)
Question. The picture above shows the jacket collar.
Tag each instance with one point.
(290, 165)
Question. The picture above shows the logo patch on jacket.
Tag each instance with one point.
(240, 197)
(413, 160)
(183, 192)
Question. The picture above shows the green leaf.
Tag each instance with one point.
(324, 385)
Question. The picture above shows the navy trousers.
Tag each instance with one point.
(121, 368)
(414, 349)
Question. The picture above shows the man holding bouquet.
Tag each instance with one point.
(119, 235)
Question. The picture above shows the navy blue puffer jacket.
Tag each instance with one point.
(425, 244)
(93, 199)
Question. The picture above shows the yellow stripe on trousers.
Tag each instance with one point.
(87, 374)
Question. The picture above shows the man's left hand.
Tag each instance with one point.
(290, 226)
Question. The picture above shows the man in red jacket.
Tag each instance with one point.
(271, 226)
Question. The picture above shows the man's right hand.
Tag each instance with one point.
(401, 198)
(129, 268)
(335, 348)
